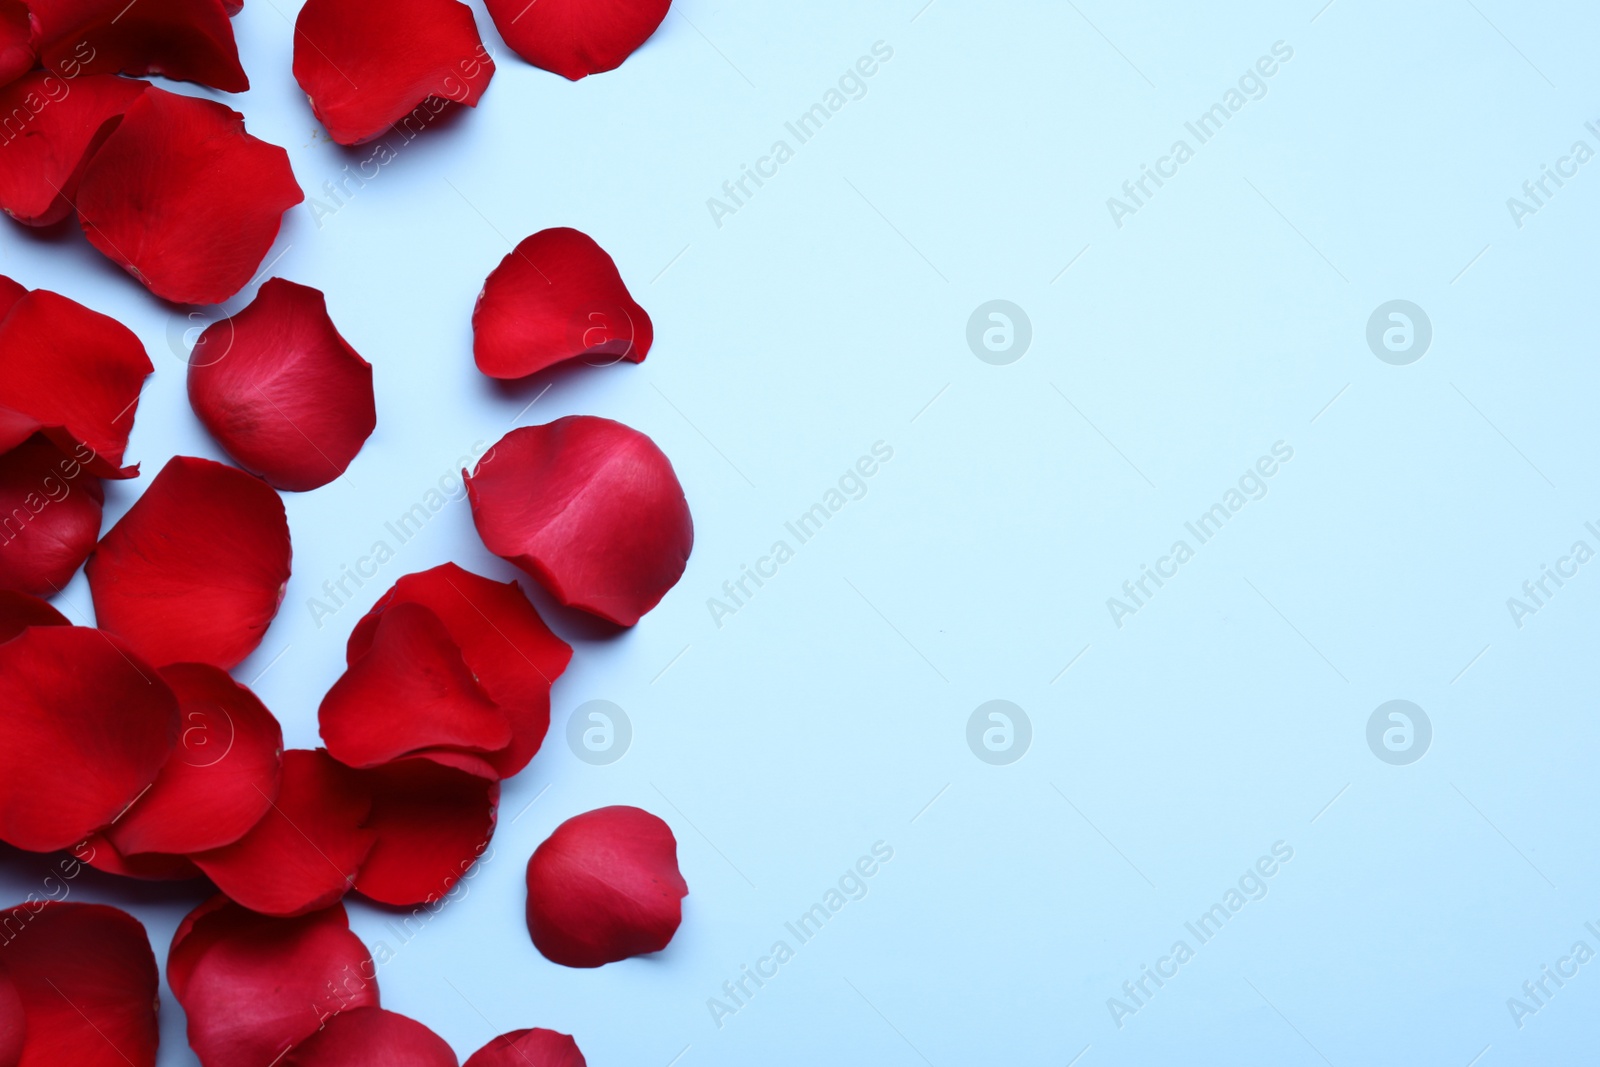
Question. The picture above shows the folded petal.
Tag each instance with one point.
(182, 198)
(589, 507)
(88, 985)
(366, 67)
(372, 1037)
(17, 57)
(52, 126)
(18, 611)
(556, 296)
(529, 1048)
(432, 822)
(574, 38)
(49, 517)
(605, 886)
(196, 569)
(185, 40)
(87, 726)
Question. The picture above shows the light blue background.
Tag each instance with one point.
(830, 313)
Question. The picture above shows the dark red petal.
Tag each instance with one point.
(51, 127)
(88, 984)
(73, 373)
(49, 517)
(366, 67)
(574, 38)
(605, 886)
(253, 986)
(411, 691)
(555, 297)
(503, 640)
(102, 855)
(17, 57)
(432, 822)
(18, 611)
(196, 569)
(186, 40)
(13, 1021)
(589, 507)
(182, 198)
(220, 779)
(304, 853)
(87, 727)
(372, 1037)
(11, 291)
(529, 1048)
(279, 388)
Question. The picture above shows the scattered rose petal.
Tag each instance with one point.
(529, 1048)
(11, 291)
(182, 198)
(102, 855)
(18, 611)
(366, 68)
(556, 296)
(605, 886)
(196, 569)
(88, 985)
(589, 507)
(186, 40)
(574, 38)
(49, 517)
(52, 127)
(372, 1037)
(13, 1021)
(17, 57)
(87, 727)
(279, 388)
(304, 853)
(219, 780)
(433, 823)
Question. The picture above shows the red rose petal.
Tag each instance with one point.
(529, 1048)
(504, 642)
(49, 517)
(73, 373)
(182, 198)
(605, 886)
(86, 726)
(589, 507)
(52, 126)
(88, 985)
(253, 987)
(366, 68)
(16, 59)
(433, 823)
(220, 779)
(279, 388)
(372, 1037)
(18, 611)
(13, 1021)
(196, 569)
(186, 40)
(574, 38)
(411, 691)
(102, 855)
(555, 297)
(10, 292)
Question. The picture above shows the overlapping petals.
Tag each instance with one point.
(186, 40)
(17, 56)
(18, 611)
(432, 822)
(53, 125)
(49, 517)
(529, 1048)
(98, 852)
(281, 390)
(372, 1037)
(575, 38)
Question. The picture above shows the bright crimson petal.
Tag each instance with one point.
(87, 727)
(372, 1037)
(529, 1048)
(574, 38)
(186, 40)
(556, 296)
(219, 780)
(73, 373)
(16, 59)
(11, 291)
(18, 611)
(87, 981)
(196, 569)
(49, 517)
(182, 198)
(279, 388)
(605, 886)
(52, 127)
(366, 67)
(304, 853)
(432, 822)
(589, 507)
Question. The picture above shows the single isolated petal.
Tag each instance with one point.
(49, 517)
(253, 987)
(52, 126)
(13, 1021)
(279, 388)
(196, 569)
(219, 780)
(574, 38)
(372, 1037)
(433, 823)
(589, 507)
(87, 727)
(185, 40)
(182, 198)
(304, 853)
(504, 642)
(17, 57)
(18, 611)
(88, 985)
(73, 373)
(605, 886)
(556, 296)
(102, 855)
(529, 1048)
(367, 67)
